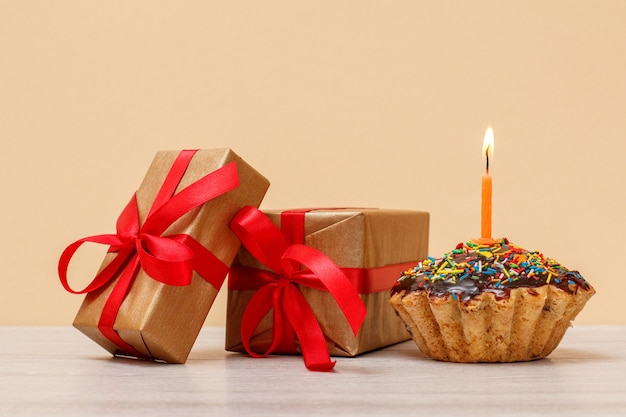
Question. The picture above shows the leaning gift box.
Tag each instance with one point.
(169, 256)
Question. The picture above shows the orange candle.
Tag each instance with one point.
(485, 214)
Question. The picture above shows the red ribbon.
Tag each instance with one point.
(291, 312)
(169, 259)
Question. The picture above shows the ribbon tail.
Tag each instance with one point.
(112, 307)
(312, 341)
(332, 278)
(285, 340)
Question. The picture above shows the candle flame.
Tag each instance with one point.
(488, 147)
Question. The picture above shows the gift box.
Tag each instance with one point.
(371, 246)
(170, 255)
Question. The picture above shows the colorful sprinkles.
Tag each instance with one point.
(472, 268)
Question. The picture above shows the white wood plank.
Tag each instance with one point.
(50, 371)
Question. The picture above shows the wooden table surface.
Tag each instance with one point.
(49, 371)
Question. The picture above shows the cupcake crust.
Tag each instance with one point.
(515, 306)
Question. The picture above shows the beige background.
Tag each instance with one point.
(379, 104)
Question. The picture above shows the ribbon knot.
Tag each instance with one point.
(169, 259)
(291, 265)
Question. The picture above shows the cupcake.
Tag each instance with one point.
(490, 302)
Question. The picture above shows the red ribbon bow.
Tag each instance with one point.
(291, 312)
(168, 259)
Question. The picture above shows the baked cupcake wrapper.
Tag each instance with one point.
(526, 326)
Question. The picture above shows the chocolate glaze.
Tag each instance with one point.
(472, 269)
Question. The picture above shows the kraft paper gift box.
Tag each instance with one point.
(378, 244)
(170, 255)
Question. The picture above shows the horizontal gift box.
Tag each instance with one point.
(161, 321)
(372, 246)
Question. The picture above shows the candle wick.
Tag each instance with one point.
(487, 158)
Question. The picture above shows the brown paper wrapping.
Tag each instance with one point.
(162, 321)
(352, 238)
